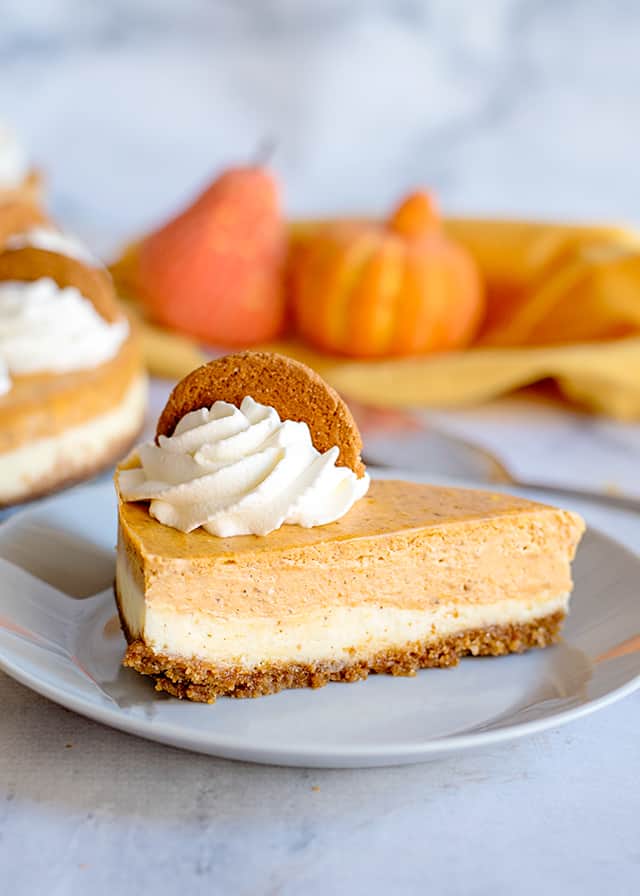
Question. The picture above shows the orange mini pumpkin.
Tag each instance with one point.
(402, 287)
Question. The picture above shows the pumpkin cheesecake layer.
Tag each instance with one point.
(412, 576)
(59, 428)
(79, 452)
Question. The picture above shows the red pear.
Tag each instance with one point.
(215, 272)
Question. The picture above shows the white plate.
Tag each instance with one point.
(63, 641)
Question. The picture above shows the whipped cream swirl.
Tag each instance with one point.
(14, 166)
(44, 328)
(53, 241)
(240, 471)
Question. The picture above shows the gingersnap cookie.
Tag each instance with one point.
(28, 263)
(293, 389)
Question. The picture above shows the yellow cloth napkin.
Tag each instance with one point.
(563, 303)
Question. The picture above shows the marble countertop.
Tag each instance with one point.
(518, 107)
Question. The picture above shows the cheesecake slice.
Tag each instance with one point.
(413, 576)
(408, 576)
(72, 381)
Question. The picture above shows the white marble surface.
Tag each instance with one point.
(511, 106)
(507, 106)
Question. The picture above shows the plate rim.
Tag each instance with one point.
(346, 756)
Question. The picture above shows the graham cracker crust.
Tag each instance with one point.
(202, 682)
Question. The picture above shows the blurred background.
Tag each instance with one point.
(508, 108)
(514, 107)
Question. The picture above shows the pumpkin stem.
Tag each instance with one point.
(416, 215)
